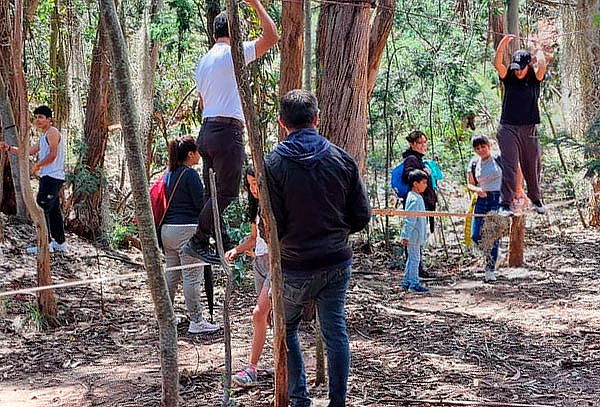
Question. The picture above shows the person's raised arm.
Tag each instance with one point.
(499, 58)
(269, 36)
(539, 64)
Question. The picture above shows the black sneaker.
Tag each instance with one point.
(200, 251)
(539, 207)
(425, 275)
(505, 211)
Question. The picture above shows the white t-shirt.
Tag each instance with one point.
(261, 246)
(216, 84)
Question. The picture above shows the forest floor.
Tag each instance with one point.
(533, 337)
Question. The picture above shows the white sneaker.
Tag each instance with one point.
(59, 247)
(489, 275)
(539, 207)
(203, 327)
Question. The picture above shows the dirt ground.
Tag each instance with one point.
(533, 337)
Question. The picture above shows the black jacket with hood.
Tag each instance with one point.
(413, 160)
(318, 199)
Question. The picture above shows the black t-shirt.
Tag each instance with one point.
(520, 104)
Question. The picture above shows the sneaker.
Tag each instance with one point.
(405, 286)
(59, 247)
(539, 207)
(505, 211)
(489, 275)
(34, 250)
(418, 289)
(425, 275)
(200, 251)
(202, 327)
(247, 377)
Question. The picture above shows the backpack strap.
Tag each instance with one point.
(172, 195)
(473, 168)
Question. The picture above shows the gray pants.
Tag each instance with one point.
(519, 145)
(173, 238)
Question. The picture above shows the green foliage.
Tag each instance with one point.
(35, 317)
(118, 238)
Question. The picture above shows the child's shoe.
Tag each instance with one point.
(489, 275)
(418, 289)
(247, 377)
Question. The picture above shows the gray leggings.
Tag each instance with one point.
(173, 238)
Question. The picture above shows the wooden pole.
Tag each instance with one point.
(228, 288)
(256, 146)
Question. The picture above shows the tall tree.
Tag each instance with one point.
(147, 233)
(61, 105)
(88, 176)
(348, 58)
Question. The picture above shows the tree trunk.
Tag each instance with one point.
(497, 21)
(86, 220)
(307, 46)
(342, 76)
(46, 302)
(292, 49)
(139, 183)
(58, 63)
(213, 8)
(256, 145)
(7, 43)
(380, 30)
(512, 23)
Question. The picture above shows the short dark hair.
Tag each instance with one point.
(480, 140)
(416, 176)
(414, 136)
(221, 26)
(252, 211)
(298, 109)
(45, 110)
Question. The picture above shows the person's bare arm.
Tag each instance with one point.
(499, 58)
(53, 138)
(248, 244)
(269, 36)
(15, 150)
(474, 188)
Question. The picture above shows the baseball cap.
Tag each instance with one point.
(519, 60)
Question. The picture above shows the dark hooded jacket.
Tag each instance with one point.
(413, 160)
(318, 199)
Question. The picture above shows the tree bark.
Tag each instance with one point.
(497, 21)
(213, 8)
(292, 48)
(380, 31)
(307, 46)
(87, 220)
(342, 76)
(58, 63)
(512, 23)
(256, 145)
(7, 44)
(135, 163)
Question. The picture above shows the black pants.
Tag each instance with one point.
(48, 199)
(222, 148)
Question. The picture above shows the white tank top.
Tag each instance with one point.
(56, 169)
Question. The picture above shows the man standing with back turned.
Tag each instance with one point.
(221, 141)
(318, 199)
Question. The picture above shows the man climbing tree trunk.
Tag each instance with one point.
(135, 163)
(87, 204)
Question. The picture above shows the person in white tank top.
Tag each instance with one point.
(51, 167)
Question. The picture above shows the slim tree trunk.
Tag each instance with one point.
(87, 202)
(256, 145)
(135, 163)
(307, 46)
(292, 48)
(213, 8)
(58, 63)
(380, 31)
(7, 44)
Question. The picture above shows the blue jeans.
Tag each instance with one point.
(484, 205)
(411, 269)
(328, 288)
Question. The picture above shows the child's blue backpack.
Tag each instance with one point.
(398, 185)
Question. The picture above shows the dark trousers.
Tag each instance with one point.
(519, 145)
(221, 146)
(48, 199)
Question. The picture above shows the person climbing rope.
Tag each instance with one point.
(517, 134)
(220, 141)
(51, 167)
